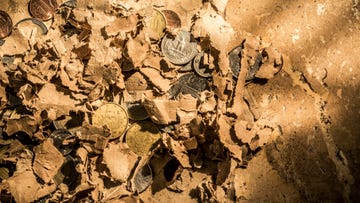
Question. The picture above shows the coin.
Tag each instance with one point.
(172, 18)
(187, 67)
(234, 61)
(157, 23)
(136, 111)
(142, 136)
(36, 22)
(113, 116)
(43, 9)
(143, 178)
(189, 84)
(5, 24)
(63, 140)
(179, 50)
(200, 67)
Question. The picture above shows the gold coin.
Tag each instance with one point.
(113, 116)
(157, 23)
(142, 136)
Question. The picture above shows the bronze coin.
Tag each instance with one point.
(43, 9)
(172, 18)
(5, 24)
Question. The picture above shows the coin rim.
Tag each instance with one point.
(233, 74)
(127, 120)
(163, 33)
(166, 19)
(197, 66)
(43, 19)
(9, 20)
(163, 41)
(138, 123)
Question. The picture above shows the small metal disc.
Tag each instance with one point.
(187, 67)
(6, 24)
(172, 18)
(64, 141)
(189, 84)
(179, 50)
(157, 23)
(43, 9)
(137, 111)
(199, 66)
(35, 21)
(113, 116)
(143, 178)
(234, 61)
(142, 136)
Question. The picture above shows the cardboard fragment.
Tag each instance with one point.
(220, 5)
(187, 103)
(123, 24)
(161, 111)
(243, 131)
(213, 25)
(136, 82)
(44, 165)
(156, 79)
(25, 124)
(137, 50)
(24, 187)
(207, 102)
(225, 138)
(178, 149)
(119, 160)
(49, 96)
(191, 143)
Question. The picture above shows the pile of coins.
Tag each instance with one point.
(40, 10)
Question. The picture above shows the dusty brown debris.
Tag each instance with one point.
(121, 100)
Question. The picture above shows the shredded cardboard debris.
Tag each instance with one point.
(102, 68)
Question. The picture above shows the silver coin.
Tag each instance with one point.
(36, 22)
(187, 67)
(179, 50)
(143, 178)
(189, 84)
(63, 140)
(200, 68)
(234, 60)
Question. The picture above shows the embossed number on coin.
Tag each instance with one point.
(113, 116)
(5, 24)
(43, 9)
(179, 50)
(142, 136)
